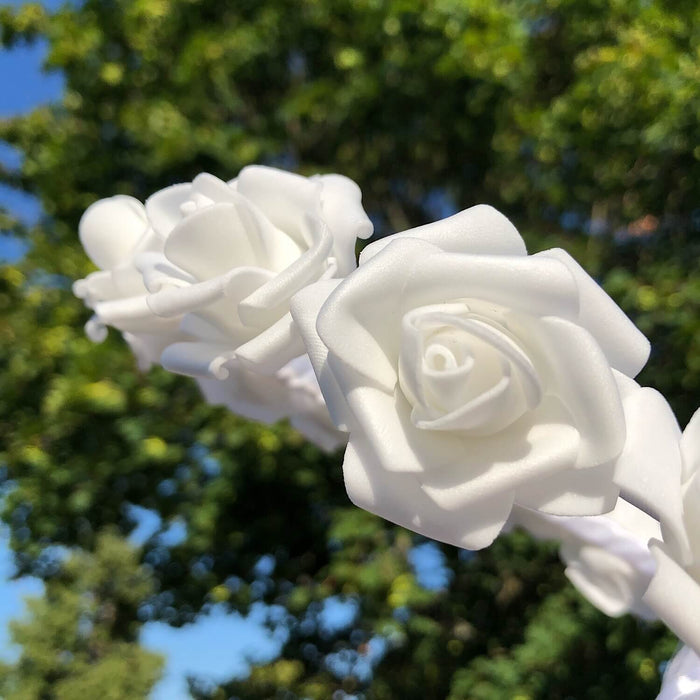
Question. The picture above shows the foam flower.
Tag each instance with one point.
(234, 255)
(606, 556)
(473, 377)
(200, 280)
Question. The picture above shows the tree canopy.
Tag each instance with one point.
(579, 119)
(79, 640)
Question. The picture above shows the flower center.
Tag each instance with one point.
(439, 358)
(463, 370)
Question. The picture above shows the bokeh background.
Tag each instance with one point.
(177, 551)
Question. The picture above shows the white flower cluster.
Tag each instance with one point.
(200, 280)
(478, 387)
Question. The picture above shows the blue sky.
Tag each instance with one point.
(11, 596)
(24, 86)
(218, 646)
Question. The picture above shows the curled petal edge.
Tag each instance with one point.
(675, 596)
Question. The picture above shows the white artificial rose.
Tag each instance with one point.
(674, 592)
(200, 279)
(234, 255)
(606, 556)
(223, 260)
(472, 377)
(682, 677)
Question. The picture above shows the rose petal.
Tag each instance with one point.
(341, 207)
(639, 527)
(210, 242)
(159, 273)
(573, 367)
(622, 342)
(691, 521)
(649, 469)
(682, 677)
(213, 188)
(221, 314)
(304, 308)
(267, 303)
(607, 555)
(133, 315)
(126, 278)
(605, 580)
(127, 281)
(111, 228)
(397, 497)
(97, 286)
(625, 531)
(385, 420)
(527, 453)
(455, 468)
(215, 301)
(360, 323)
(245, 394)
(492, 411)
(273, 348)
(164, 208)
(195, 359)
(148, 347)
(674, 596)
(275, 247)
(690, 447)
(96, 330)
(308, 413)
(319, 430)
(479, 230)
(579, 492)
(201, 329)
(283, 197)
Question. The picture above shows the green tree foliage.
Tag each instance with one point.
(79, 639)
(579, 119)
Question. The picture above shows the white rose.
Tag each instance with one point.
(224, 260)
(235, 253)
(674, 592)
(682, 677)
(606, 556)
(472, 377)
(202, 276)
